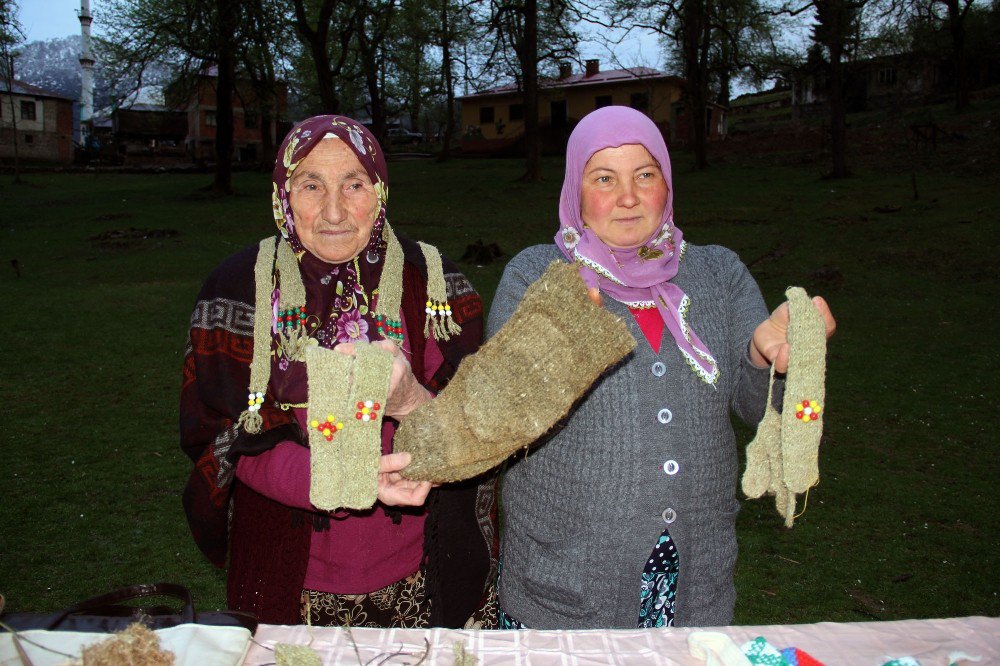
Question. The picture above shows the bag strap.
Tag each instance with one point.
(131, 592)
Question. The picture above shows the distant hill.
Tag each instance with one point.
(54, 64)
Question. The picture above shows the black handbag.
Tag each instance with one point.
(107, 613)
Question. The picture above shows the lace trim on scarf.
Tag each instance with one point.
(639, 305)
(596, 267)
(708, 377)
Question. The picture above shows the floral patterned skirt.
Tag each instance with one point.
(403, 604)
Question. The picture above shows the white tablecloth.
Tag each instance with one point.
(862, 643)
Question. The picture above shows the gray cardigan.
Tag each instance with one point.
(644, 450)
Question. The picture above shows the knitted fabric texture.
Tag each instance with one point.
(260, 364)
(519, 384)
(293, 340)
(345, 424)
(783, 459)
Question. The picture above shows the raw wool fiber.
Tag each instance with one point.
(344, 469)
(287, 654)
(783, 459)
(136, 645)
(519, 384)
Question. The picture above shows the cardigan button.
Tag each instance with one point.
(658, 369)
(669, 515)
(665, 416)
(671, 467)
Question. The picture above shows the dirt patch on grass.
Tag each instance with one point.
(118, 239)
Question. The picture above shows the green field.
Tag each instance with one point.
(902, 525)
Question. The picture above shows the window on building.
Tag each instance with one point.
(602, 101)
(887, 76)
(210, 118)
(639, 101)
(516, 111)
(250, 119)
(27, 110)
(485, 114)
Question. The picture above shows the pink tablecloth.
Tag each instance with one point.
(929, 641)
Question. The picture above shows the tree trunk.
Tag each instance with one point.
(838, 113)
(529, 74)
(267, 138)
(956, 26)
(316, 40)
(370, 65)
(449, 84)
(695, 25)
(223, 183)
(9, 80)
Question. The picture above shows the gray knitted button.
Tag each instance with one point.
(658, 369)
(665, 416)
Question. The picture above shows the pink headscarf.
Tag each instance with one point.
(639, 277)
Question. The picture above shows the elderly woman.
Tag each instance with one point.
(626, 516)
(335, 277)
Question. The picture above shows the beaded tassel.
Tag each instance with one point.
(438, 311)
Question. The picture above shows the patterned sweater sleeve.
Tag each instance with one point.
(214, 392)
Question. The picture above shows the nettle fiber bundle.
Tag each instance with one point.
(519, 384)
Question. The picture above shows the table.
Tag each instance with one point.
(860, 643)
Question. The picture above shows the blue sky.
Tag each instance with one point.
(44, 19)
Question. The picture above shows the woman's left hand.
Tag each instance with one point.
(770, 341)
(405, 392)
(393, 488)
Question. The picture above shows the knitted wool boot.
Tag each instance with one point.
(519, 384)
(346, 398)
(783, 458)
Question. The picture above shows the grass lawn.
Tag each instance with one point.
(902, 525)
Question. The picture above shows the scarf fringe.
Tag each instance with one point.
(294, 343)
(251, 421)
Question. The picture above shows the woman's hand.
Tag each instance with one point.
(405, 392)
(393, 489)
(769, 344)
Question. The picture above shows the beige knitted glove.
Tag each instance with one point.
(783, 459)
(519, 384)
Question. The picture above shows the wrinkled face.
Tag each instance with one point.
(333, 202)
(623, 195)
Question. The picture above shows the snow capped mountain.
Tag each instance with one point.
(54, 64)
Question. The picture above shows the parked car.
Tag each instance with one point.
(403, 135)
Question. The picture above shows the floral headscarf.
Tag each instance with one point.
(640, 277)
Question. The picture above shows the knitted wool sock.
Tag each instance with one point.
(805, 394)
(783, 458)
(519, 384)
(346, 398)
(760, 475)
